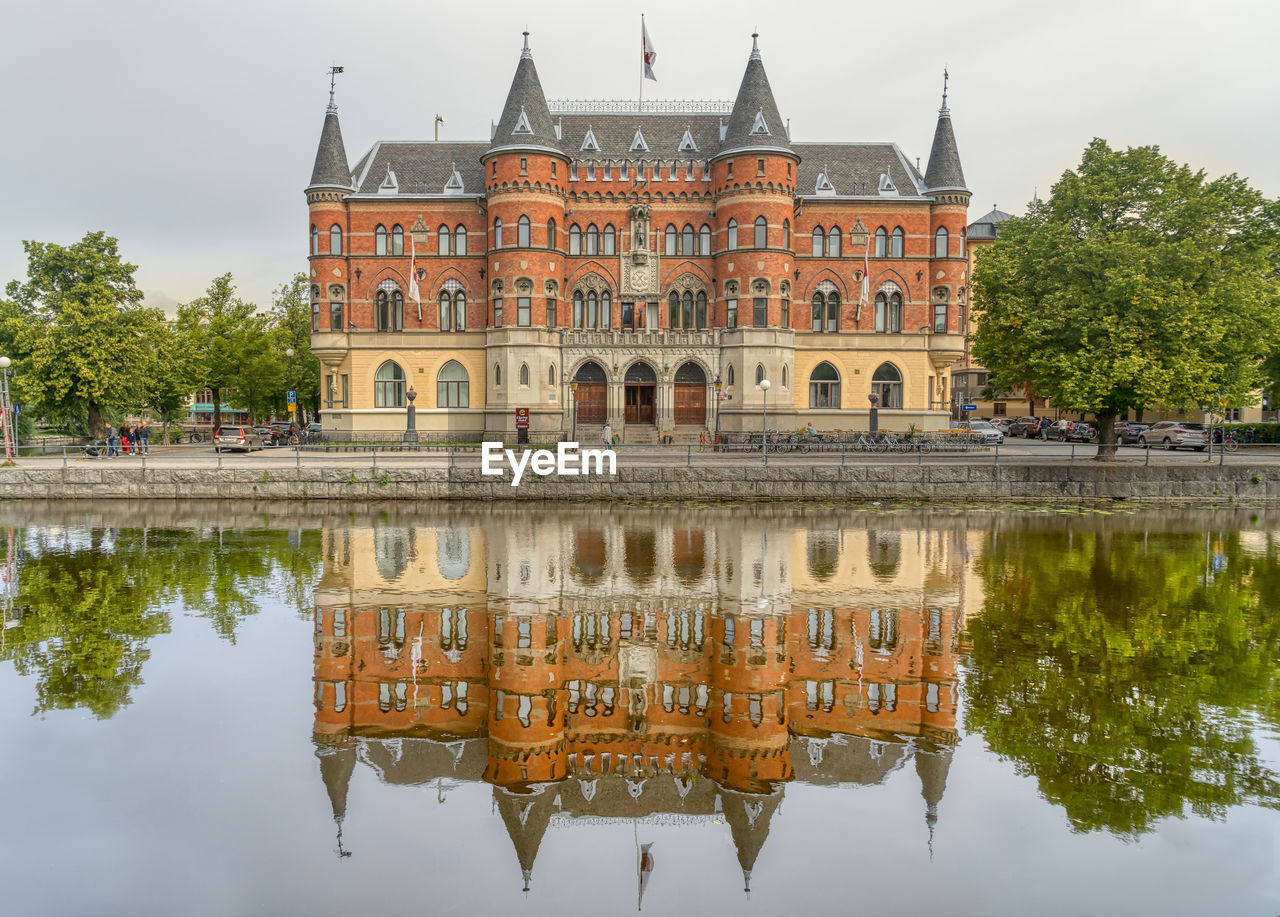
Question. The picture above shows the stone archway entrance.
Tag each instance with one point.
(591, 400)
(691, 395)
(640, 394)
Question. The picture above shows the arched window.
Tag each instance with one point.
(784, 375)
(824, 386)
(700, 313)
(686, 310)
(593, 240)
(606, 310)
(524, 374)
(686, 240)
(673, 310)
(731, 241)
(453, 557)
(889, 311)
(459, 239)
(896, 250)
(762, 232)
(522, 232)
(826, 308)
(671, 238)
(882, 239)
(388, 386)
(593, 306)
(335, 239)
(497, 375)
(442, 240)
(446, 312)
(940, 242)
(551, 234)
(819, 241)
(315, 240)
(887, 383)
(497, 232)
(397, 240)
(389, 308)
(453, 388)
(380, 240)
(759, 373)
(577, 308)
(704, 240)
(833, 242)
(453, 306)
(608, 240)
(729, 377)
(786, 234)
(575, 240)
(551, 375)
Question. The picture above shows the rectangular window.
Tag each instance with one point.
(335, 316)
(608, 171)
(940, 318)
(524, 311)
(524, 166)
(1000, 409)
(730, 170)
(573, 171)
(315, 315)
(551, 312)
(497, 312)
(346, 389)
(786, 313)
(759, 166)
(731, 313)
(553, 169)
(591, 172)
(622, 171)
(760, 312)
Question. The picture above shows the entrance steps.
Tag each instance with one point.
(640, 434)
(687, 434)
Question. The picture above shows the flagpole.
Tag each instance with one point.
(643, 49)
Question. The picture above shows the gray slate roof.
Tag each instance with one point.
(944, 159)
(331, 169)
(662, 132)
(755, 97)
(854, 169)
(421, 167)
(987, 226)
(525, 99)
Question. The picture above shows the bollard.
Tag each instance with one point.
(1148, 461)
(841, 456)
(297, 458)
(144, 466)
(919, 455)
(997, 455)
(1073, 454)
(375, 458)
(64, 455)
(451, 458)
(218, 452)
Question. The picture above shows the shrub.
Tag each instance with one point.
(1267, 432)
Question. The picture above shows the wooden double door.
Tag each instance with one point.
(638, 403)
(691, 403)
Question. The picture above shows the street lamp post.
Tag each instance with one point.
(573, 410)
(291, 408)
(764, 419)
(6, 413)
(718, 397)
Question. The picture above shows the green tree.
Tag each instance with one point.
(1125, 678)
(291, 329)
(172, 373)
(1138, 282)
(228, 339)
(80, 332)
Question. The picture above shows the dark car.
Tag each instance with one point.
(283, 433)
(1127, 433)
(1024, 426)
(1060, 430)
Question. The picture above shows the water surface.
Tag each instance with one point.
(469, 709)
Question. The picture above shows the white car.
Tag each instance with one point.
(1174, 434)
(989, 433)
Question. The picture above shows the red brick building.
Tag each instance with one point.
(642, 266)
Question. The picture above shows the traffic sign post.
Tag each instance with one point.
(968, 407)
(522, 425)
(292, 398)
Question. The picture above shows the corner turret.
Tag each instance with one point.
(944, 173)
(331, 169)
(526, 120)
(755, 123)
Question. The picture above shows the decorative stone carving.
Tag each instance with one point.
(687, 281)
(592, 282)
(551, 288)
(524, 285)
(941, 294)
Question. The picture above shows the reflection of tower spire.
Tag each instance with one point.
(336, 764)
(526, 816)
(748, 815)
(932, 768)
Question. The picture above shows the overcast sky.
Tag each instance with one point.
(188, 130)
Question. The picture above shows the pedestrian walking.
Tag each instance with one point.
(606, 435)
(113, 442)
(144, 437)
(126, 438)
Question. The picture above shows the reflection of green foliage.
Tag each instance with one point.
(89, 609)
(1107, 669)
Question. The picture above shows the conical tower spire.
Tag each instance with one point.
(932, 769)
(331, 169)
(526, 816)
(748, 815)
(944, 172)
(526, 120)
(336, 764)
(755, 122)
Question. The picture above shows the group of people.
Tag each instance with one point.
(132, 440)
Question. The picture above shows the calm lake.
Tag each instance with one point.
(569, 710)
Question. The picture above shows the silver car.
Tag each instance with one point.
(242, 438)
(1174, 434)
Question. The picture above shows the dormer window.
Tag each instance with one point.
(589, 141)
(759, 126)
(638, 143)
(454, 184)
(389, 184)
(823, 184)
(886, 184)
(686, 143)
(522, 123)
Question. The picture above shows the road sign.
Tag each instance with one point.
(292, 407)
(292, 397)
(17, 408)
(522, 418)
(968, 407)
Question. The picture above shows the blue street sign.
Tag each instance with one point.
(968, 407)
(17, 408)
(293, 397)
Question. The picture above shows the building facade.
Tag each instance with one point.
(641, 266)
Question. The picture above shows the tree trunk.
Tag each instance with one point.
(96, 429)
(217, 407)
(1106, 437)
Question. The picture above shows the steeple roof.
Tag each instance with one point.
(526, 121)
(331, 169)
(755, 121)
(748, 815)
(526, 816)
(944, 159)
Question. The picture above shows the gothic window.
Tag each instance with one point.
(389, 309)
(397, 240)
(452, 386)
(784, 375)
(824, 386)
(522, 232)
(940, 242)
(460, 240)
(896, 250)
(673, 310)
(887, 383)
(524, 374)
(388, 386)
(551, 233)
(671, 239)
(889, 311)
(786, 233)
(704, 240)
(729, 377)
(608, 240)
(606, 310)
(882, 239)
(335, 239)
(759, 373)
(575, 240)
(442, 240)
(497, 232)
(593, 305)
(577, 308)
(762, 232)
(826, 308)
(593, 240)
(380, 240)
(700, 315)
(731, 242)
(315, 240)
(833, 242)
(497, 375)
(551, 375)
(686, 240)
(819, 240)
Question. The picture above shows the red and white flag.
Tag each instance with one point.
(413, 276)
(648, 52)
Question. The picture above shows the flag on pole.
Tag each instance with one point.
(866, 276)
(413, 275)
(648, 52)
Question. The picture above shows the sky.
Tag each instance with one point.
(188, 130)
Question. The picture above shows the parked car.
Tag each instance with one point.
(264, 430)
(284, 433)
(240, 438)
(1082, 432)
(313, 428)
(982, 428)
(1024, 426)
(1174, 434)
(1126, 433)
(1060, 430)
(1002, 424)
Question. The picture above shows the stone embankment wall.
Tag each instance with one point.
(1087, 481)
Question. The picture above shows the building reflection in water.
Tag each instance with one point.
(598, 666)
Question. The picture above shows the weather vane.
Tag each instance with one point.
(333, 75)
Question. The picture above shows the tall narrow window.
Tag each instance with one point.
(442, 240)
(686, 310)
(606, 310)
(940, 317)
(577, 308)
(762, 232)
(819, 240)
(671, 239)
(608, 240)
(497, 232)
(575, 240)
(731, 239)
(673, 310)
(940, 242)
(524, 312)
(761, 311)
(704, 240)
(524, 379)
(731, 311)
(551, 311)
(896, 251)
(522, 232)
(460, 240)
(397, 241)
(593, 240)
(593, 306)
(686, 240)
(551, 233)
(759, 373)
(786, 234)
(833, 242)
(446, 312)
(700, 313)
(380, 240)
(882, 239)
(315, 240)
(335, 239)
